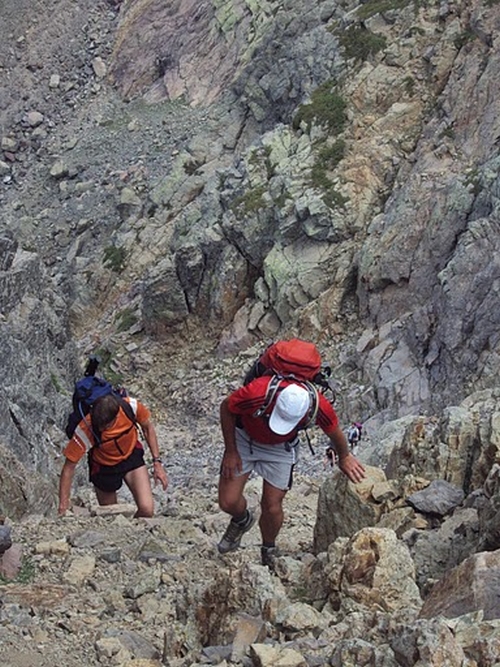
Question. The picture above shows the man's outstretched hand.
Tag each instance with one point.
(352, 468)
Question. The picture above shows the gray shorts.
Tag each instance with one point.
(274, 463)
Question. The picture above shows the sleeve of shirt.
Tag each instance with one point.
(326, 418)
(81, 441)
(142, 414)
(246, 400)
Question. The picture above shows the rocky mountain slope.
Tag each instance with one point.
(180, 182)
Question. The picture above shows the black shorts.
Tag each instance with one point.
(110, 478)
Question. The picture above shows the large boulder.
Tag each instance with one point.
(345, 507)
(373, 569)
(470, 587)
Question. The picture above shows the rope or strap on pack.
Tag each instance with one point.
(274, 387)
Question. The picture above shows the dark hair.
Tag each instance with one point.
(104, 411)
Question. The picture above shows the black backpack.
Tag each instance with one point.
(86, 391)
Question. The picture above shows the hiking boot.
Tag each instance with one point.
(234, 532)
(268, 556)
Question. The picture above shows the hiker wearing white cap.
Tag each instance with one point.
(262, 436)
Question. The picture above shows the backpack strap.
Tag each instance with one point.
(274, 387)
(314, 403)
(313, 412)
(128, 407)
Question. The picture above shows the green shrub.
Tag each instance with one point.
(249, 202)
(473, 179)
(360, 43)
(327, 159)
(55, 382)
(191, 166)
(126, 319)
(373, 7)
(106, 357)
(334, 199)
(330, 156)
(327, 108)
(448, 132)
(464, 37)
(114, 258)
(409, 85)
(25, 575)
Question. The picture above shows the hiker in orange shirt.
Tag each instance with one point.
(115, 455)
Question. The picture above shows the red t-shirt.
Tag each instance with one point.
(248, 399)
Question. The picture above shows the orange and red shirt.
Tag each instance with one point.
(246, 400)
(117, 442)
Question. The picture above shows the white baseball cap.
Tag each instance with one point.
(292, 405)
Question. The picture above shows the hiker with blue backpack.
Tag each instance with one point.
(260, 423)
(104, 425)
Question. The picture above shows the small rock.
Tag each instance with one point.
(99, 67)
(9, 144)
(151, 550)
(59, 170)
(55, 81)
(79, 570)
(110, 648)
(275, 656)
(141, 588)
(54, 547)
(123, 509)
(111, 555)
(5, 538)
(249, 630)
(11, 561)
(34, 118)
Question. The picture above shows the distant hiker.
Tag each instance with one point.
(354, 434)
(330, 457)
(261, 434)
(109, 434)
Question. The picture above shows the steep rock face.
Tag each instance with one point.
(153, 220)
(33, 319)
(472, 584)
(295, 256)
(428, 269)
(187, 48)
(260, 50)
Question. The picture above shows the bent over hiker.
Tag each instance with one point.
(264, 438)
(115, 454)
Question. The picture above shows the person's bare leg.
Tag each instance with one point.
(231, 498)
(105, 497)
(139, 484)
(271, 517)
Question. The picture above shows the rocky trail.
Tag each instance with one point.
(182, 182)
(99, 587)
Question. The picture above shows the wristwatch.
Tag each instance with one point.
(157, 459)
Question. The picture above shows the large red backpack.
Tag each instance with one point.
(293, 357)
(290, 358)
